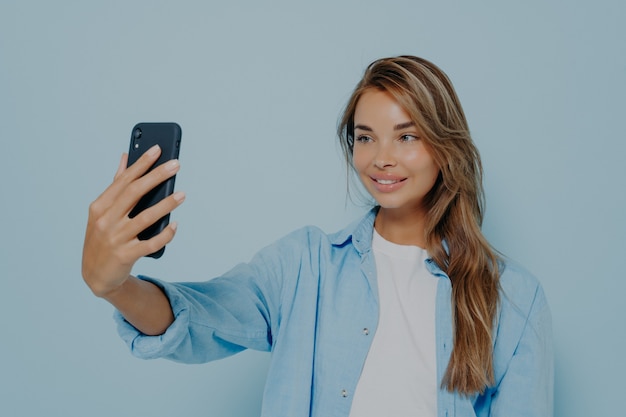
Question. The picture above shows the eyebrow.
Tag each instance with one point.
(400, 126)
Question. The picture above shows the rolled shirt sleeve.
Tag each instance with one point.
(150, 347)
(212, 320)
(225, 315)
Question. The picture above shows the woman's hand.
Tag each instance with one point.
(111, 245)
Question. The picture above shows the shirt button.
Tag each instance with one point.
(344, 393)
(366, 331)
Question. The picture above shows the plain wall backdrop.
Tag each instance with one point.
(257, 88)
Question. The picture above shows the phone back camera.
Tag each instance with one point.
(136, 135)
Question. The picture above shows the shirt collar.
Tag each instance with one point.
(358, 232)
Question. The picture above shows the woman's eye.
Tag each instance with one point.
(408, 138)
(363, 139)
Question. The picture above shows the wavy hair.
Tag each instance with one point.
(455, 208)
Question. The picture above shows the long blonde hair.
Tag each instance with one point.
(455, 208)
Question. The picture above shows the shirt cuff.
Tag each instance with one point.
(151, 347)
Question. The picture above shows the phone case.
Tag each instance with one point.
(143, 137)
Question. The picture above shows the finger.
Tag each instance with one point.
(122, 167)
(141, 165)
(146, 247)
(132, 227)
(123, 177)
(102, 203)
(133, 192)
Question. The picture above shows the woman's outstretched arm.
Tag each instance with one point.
(111, 245)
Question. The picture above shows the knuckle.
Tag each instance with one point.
(101, 225)
(94, 209)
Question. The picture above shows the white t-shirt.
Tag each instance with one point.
(399, 377)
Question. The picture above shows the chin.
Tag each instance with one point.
(396, 204)
(390, 205)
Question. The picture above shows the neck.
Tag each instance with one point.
(401, 227)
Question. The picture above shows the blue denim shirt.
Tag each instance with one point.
(312, 300)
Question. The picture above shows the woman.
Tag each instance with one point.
(406, 312)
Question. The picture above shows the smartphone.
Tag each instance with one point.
(142, 138)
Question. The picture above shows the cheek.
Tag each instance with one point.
(431, 169)
(425, 168)
(359, 159)
(423, 162)
(434, 174)
(418, 161)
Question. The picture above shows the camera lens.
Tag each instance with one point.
(137, 133)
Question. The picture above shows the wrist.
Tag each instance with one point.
(117, 292)
(109, 291)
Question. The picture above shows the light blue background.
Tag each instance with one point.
(258, 88)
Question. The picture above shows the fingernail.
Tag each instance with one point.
(174, 225)
(179, 196)
(154, 150)
(172, 165)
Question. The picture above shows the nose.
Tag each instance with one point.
(384, 157)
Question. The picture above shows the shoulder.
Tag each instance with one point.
(309, 244)
(358, 233)
(303, 238)
(521, 291)
(516, 279)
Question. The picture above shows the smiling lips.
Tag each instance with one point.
(385, 182)
(386, 185)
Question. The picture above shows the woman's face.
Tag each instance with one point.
(391, 159)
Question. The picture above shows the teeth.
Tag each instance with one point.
(386, 182)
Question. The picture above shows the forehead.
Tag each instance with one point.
(379, 107)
